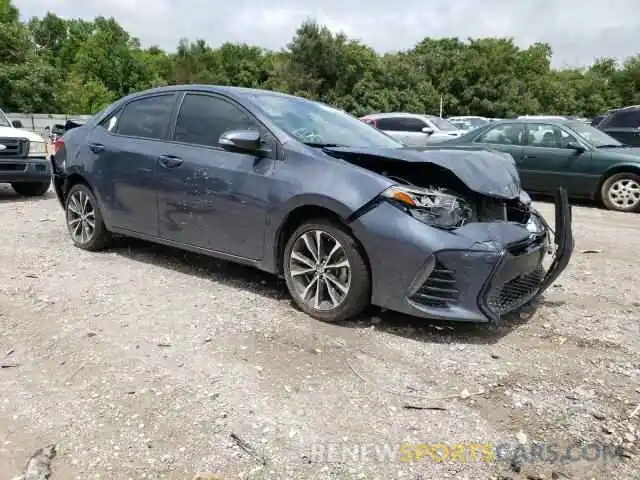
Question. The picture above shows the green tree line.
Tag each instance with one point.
(56, 65)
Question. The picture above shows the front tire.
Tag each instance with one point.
(326, 272)
(621, 192)
(31, 189)
(84, 220)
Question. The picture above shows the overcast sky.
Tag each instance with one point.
(578, 30)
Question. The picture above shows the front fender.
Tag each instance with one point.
(336, 186)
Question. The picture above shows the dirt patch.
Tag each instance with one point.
(142, 361)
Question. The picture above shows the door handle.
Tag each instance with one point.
(527, 155)
(96, 147)
(169, 161)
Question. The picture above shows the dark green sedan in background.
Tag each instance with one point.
(549, 154)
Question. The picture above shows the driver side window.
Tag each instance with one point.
(548, 136)
(204, 118)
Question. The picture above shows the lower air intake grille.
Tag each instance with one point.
(516, 292)
(440, 289)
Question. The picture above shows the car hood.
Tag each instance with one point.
(625, 151)
(10, 132)
(488, 173)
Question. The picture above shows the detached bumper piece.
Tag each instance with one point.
(520, 276)
(497, 283)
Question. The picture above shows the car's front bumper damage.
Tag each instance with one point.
(477, 273)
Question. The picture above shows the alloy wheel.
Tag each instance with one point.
(320, 270)
(625, 193)
(81, 217)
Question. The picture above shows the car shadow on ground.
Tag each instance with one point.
(272, 287)
(7, 195)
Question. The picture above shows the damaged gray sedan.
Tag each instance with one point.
(345, 213)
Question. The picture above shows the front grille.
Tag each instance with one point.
(515, 293)
(440, 290)
(13, 147)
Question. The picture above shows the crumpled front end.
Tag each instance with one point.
(477, 272)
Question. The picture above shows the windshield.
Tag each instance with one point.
(4, 120)
(315, 123)
(442, 124)
(595, 137)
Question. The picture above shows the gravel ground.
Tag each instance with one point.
(143, 362)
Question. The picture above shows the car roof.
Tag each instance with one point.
(629, 107)
(560, 121)
(237, 92)
(398, 114)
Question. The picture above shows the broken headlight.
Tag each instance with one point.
(432, 206)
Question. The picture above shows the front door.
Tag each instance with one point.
(209, 197)
(125, 146)
(548, 162)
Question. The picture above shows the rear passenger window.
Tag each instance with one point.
(203, 118)
(147, 118)
(110, 122)
(391, 124)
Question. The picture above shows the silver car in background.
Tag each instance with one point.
(412, 129)
(473, 121)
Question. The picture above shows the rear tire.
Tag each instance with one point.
(31, 189)
(84, 220)
(331, 283)
(621, 192)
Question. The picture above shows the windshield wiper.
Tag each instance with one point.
(322, 145)
(611, 146)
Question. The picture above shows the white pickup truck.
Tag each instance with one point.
(24, 161)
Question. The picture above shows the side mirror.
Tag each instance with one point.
(242, 141)
(427, 130)
(17, 123)
(575, 146)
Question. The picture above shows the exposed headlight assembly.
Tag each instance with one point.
(37, 149)
(432, 206)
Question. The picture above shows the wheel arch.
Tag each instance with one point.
(302, 213)
(74, 179)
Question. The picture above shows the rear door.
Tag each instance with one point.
(624, 126)
(506, 137)
(125, 148)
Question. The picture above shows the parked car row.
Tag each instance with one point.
(552, 153)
